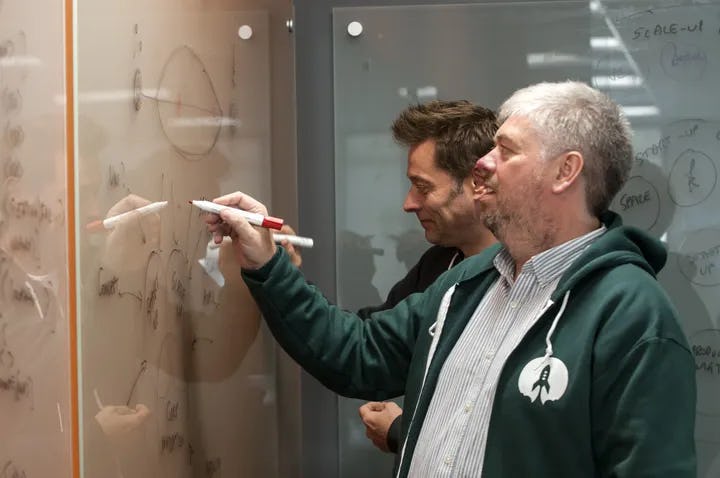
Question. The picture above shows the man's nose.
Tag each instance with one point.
(485, 166)
(411, 204)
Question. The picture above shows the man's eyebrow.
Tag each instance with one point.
(504, 138)
(417, 179)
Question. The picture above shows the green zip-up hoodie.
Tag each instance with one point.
(628, 409)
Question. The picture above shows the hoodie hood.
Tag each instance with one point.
(619, 245)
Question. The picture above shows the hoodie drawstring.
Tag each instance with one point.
(548, 337)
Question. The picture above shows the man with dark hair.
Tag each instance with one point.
(553, 353)
(444, 139)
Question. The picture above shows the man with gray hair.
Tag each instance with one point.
(554, 353)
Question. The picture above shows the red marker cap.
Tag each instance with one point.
(272, 222)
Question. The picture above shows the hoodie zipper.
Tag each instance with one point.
(435, 331)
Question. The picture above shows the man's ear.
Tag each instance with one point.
(477, 184)
(569, 167)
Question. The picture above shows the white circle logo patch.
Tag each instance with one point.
(545, 378)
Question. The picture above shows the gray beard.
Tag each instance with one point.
(532, 228)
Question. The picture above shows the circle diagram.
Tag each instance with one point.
(699, 258)
(705, 346)
(692, 178)
(639, 203)
(188, 105)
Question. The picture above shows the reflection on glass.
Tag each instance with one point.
(659, 60)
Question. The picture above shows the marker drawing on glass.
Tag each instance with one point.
(112, 221)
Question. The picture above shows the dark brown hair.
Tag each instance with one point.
(462, 132)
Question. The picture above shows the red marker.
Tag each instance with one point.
(251, 217)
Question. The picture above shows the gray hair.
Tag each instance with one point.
(571, 116)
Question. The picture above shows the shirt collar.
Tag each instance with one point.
(550, 264)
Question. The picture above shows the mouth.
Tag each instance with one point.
(486, 191)
(483, 182)
(425, 223)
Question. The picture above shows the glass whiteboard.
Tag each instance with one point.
(35, 404)
(659, 60)
(173, 104)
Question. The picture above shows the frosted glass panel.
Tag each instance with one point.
(406, 55)
(673, 57)
(178, 375)
(659, 60)
(35, 418)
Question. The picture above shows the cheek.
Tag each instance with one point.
(454, 209)
(430, 208)
(433, 201)
(529, 192)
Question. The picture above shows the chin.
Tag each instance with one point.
(493, 223)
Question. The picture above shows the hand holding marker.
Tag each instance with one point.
(257, 219)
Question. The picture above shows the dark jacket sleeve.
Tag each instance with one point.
(626, 441)
(394, 434)
(634, 411)
(432, 263)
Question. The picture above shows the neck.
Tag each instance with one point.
(481, 241)
(549, 233)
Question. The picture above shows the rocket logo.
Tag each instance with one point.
(545, 378)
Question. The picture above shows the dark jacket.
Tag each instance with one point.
(629, 407)
(432, 263)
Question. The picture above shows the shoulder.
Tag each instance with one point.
(433, 263)
(632, 283)
(478, 263)
(635, 306)
(471, 268)
(439, 255)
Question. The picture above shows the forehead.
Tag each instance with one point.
(422, 165)
(422, 152)
(518, 130)
(421, 157)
